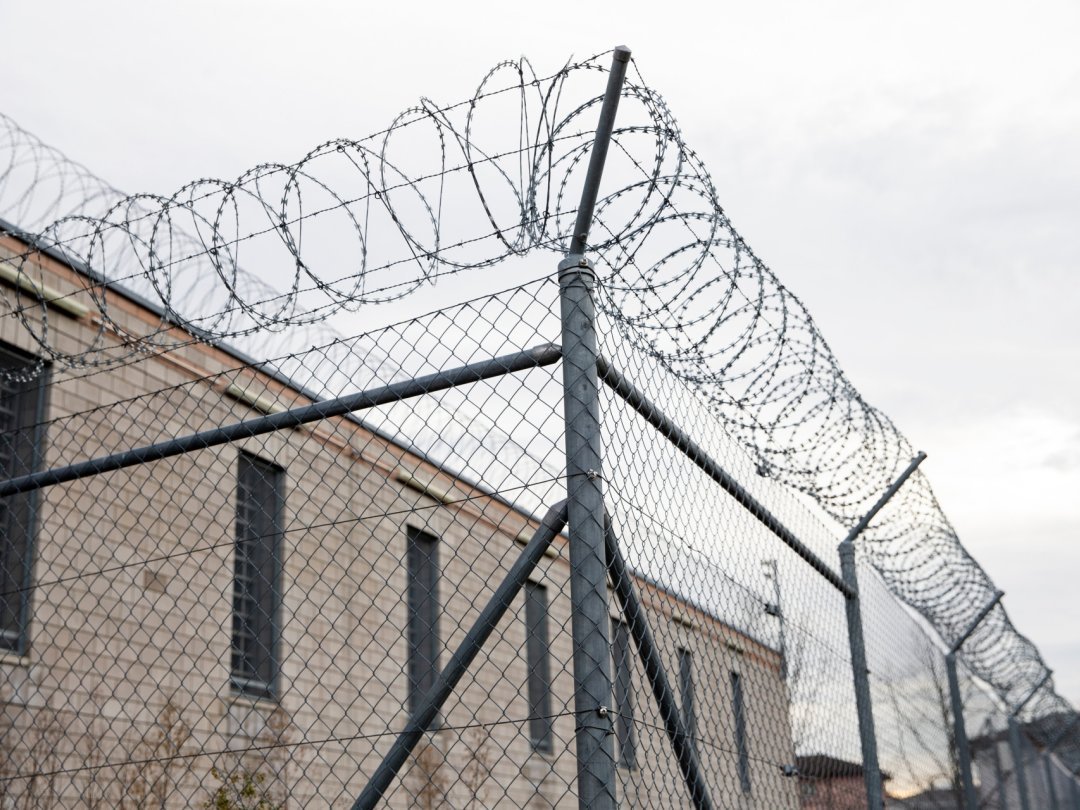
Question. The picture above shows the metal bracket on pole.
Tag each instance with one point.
(963, 747)
(594, 739)
(859, 666)
(1014, 743)
(424, 716)
(886, 496)
(674, 724)
(976, 622)
(775, 609)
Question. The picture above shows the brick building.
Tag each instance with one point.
(829, 783)
(268, 610)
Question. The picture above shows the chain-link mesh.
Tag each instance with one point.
(249, 563)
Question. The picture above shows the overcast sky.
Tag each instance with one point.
(911, 171)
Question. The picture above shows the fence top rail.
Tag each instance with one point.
(681, 440)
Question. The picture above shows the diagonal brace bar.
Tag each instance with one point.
(444, 685)
(536, 357)
(674, 724)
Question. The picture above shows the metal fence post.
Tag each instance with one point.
(1014, 742)
(863, 706)
(1049, 752)
(963, 747)
(588, 559)
(1018, 763)
(999, 772)
(860, 669)
(1048, 768)
(963, 750)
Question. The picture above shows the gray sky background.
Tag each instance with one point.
(910, 170)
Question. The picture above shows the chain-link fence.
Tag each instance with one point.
(575, 542)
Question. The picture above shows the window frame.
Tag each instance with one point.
(686, 695)
(422, 630)
(30, 413)
(250, 682)
(742, 745)
(538, 666)
(622, 687)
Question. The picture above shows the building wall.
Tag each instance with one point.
(130, 637)
(833, 793)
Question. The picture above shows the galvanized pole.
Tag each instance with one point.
(861, 671)
(1048, 769)
(963, 748)
(859, 666)
(1049, 752)
(585, 498)
(1014, 742)
(1000, 773)
(1018, 763)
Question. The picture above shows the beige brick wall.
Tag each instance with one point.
(130, 637)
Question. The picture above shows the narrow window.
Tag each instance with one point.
(260, 507)
(686, 691)
(423, 662)
(624, 695)
(22, 414)
(740, 731)
(537, 659)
